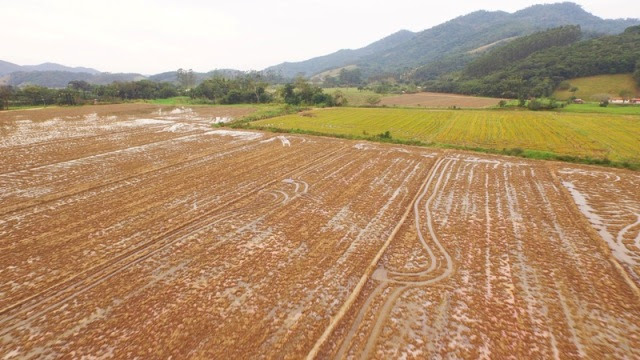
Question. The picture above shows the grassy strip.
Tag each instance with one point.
(179, 100)
(29, 107)
(546, 155)
(518, 152)
(596, 108)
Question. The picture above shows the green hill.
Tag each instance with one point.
(521, 48)
(540, 69)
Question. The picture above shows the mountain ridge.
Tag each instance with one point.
(8, 67)
(467, 32)
(339, 58)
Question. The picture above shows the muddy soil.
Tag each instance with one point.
(141, 231)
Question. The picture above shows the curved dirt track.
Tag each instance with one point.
(139, 231)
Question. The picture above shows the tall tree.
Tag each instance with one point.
(6, 92)
(79, 85)
(186, 78)
(350, 77)
(258, 84)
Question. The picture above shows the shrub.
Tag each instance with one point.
(385, 135)
(322, 99)
(373, 100)
(543, 104)
(534, 104)
(514, 151)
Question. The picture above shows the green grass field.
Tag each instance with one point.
(539, 134)
(354, 96)
(596, 108)
(600, 84)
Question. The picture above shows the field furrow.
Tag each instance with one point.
(610, 202)
(493, 252)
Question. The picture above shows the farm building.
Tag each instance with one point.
(625, 101)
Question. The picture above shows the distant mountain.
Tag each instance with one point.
(57, 67)
(169, 76)
(454, 39)
(568, 13)
(172, 76)
(60, 79)
(341, 58)
(58, 76)
(53, 75)
(7, 67)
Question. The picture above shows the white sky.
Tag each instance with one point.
(154, 36)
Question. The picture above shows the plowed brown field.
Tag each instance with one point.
(138, 231)
(430, 99)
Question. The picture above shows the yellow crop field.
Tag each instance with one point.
(598, 136)
(589, 88)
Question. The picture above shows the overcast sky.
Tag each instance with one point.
(155, 36)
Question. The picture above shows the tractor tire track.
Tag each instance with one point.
(405, 280)
(335, 320)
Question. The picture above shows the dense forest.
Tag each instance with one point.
(499, 58)
(521, 48)
(533, 66)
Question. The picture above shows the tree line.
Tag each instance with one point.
(246, 88)
(253, 88)
(80, 92)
